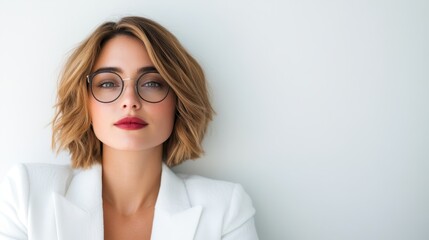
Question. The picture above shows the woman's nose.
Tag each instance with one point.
(130, 98)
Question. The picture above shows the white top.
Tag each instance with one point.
(45, 201)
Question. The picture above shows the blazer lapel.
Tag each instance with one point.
(79, 212)
(174, 217)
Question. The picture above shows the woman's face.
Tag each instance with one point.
(129, 122)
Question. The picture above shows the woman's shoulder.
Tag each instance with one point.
(227, 200)
(219, 194)
(38, 175)
(206, 186)
(39, 170)
(213, 188)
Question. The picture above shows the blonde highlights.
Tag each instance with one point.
(71, 124)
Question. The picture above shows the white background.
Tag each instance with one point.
(322, 106)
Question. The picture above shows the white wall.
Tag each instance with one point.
(322, 106)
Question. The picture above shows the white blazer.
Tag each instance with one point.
(44, 201)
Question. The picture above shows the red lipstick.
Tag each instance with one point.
(131, 123)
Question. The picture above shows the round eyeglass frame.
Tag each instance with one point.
(89, 78)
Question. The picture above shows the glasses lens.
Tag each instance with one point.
(152, 87)
(106, 86)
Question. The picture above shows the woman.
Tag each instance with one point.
(131, 103)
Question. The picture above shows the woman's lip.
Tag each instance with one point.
(131, 123)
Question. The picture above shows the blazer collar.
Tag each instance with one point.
(174, 217)
(79, 212)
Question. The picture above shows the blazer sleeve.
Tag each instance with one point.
(14, 193)
(239, 221)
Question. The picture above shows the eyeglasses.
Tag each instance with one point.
(106, 86)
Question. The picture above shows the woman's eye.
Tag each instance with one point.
(107, 85)
(152, 84)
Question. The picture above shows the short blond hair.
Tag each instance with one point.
(71, 124)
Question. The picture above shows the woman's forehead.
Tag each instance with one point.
(126, 54)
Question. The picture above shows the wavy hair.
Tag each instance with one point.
(71, 125)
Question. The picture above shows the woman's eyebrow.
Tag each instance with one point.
(119, 70)
(108, 69)
(147, 69)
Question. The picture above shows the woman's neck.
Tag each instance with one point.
(131, 180)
